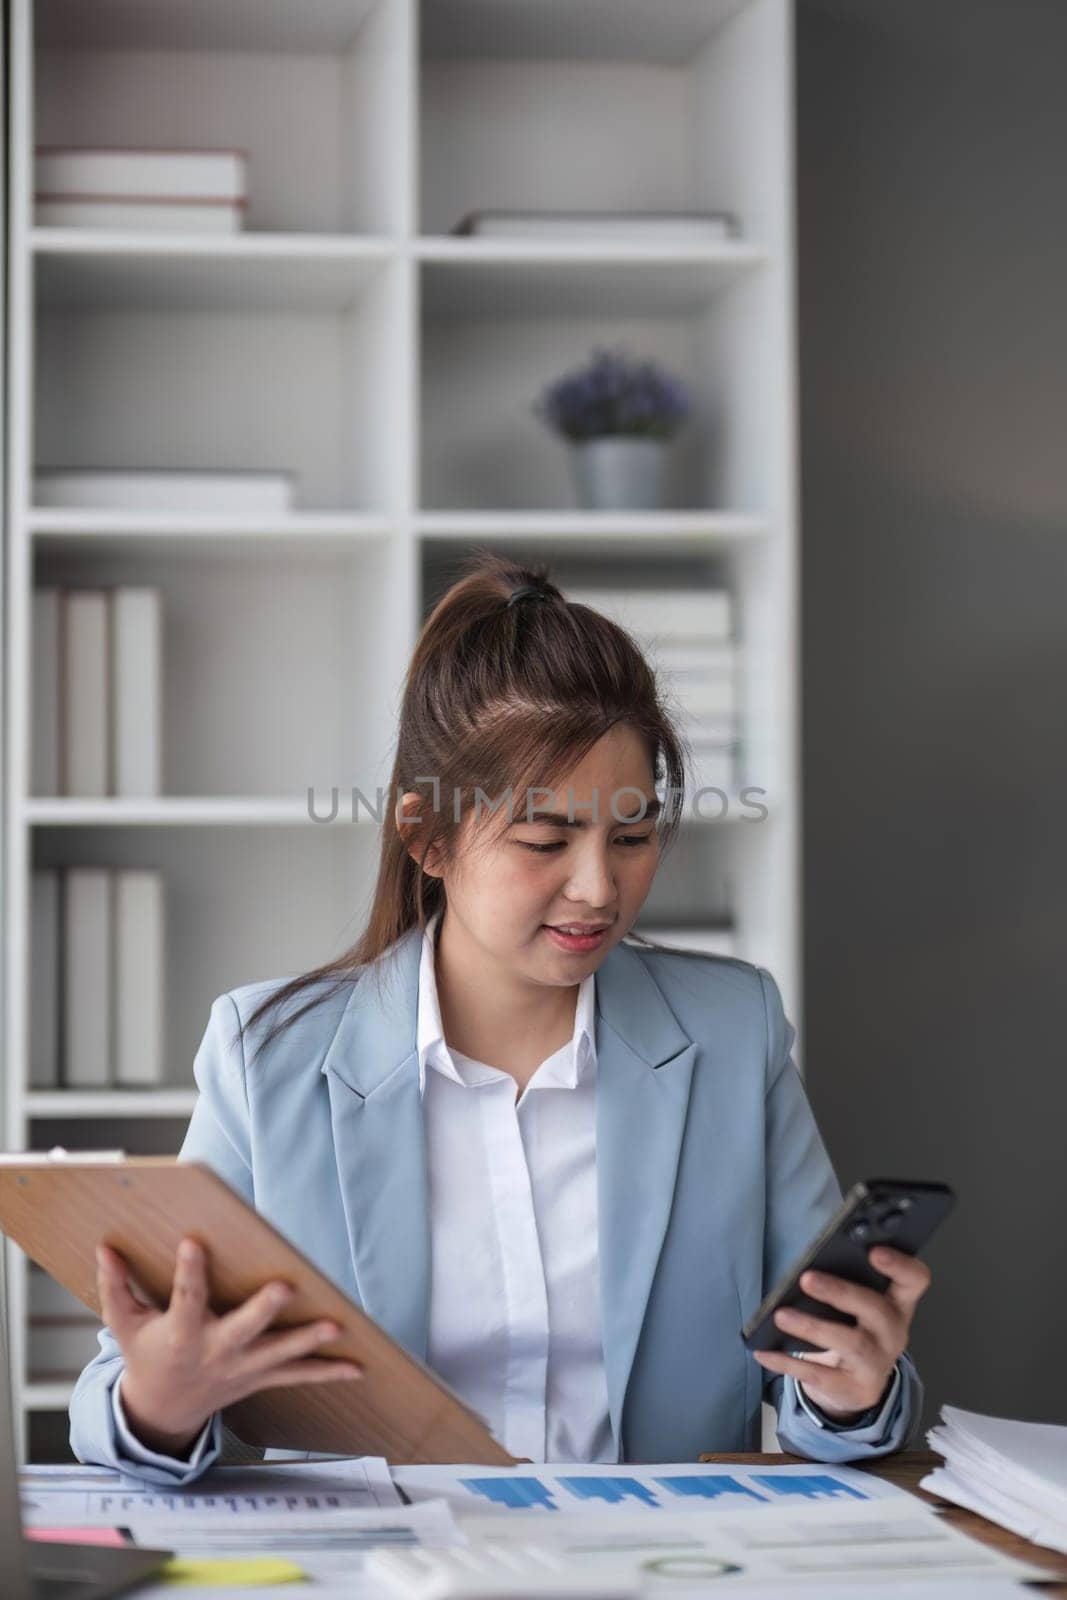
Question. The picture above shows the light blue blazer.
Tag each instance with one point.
(711, 1177)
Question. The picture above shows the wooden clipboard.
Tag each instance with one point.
(58, 1210)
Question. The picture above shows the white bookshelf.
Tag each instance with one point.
(347, 337)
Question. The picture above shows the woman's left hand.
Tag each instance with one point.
(850, 1371)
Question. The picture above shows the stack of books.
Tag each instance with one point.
(83, 489)
(176, 191)
(97, 668)
(707, 939)
(687, 635)
(62, 1332)
(97, 978)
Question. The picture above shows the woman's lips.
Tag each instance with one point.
(576, 941)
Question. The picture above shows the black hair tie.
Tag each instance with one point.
(528, 590)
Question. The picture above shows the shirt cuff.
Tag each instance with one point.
(132, 1447)
(876, 1416)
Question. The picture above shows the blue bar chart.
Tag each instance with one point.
(573, 1491)
(812, 1486)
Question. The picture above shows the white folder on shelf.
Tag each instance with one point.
(47, 615)
(44, 978)
(87, 975)
(136, 691)
(139, 976)
(85, 693)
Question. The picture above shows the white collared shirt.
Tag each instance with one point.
(515, 1317)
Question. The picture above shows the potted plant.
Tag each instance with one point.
(617, 415)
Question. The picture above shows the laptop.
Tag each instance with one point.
(32, 1569)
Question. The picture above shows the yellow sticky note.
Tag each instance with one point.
(192, 1571)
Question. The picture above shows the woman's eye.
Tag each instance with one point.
(628, 839)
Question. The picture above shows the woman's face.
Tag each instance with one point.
(507, 891)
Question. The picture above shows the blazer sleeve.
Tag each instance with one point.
(802, 1193)
(218, 1135)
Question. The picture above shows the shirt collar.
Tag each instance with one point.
(574, 1062)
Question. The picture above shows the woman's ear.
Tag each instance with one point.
(410, 824)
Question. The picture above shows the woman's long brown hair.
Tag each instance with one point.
(496, 697)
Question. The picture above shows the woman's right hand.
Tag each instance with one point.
(183, 1364)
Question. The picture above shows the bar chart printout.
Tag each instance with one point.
(648, 1487)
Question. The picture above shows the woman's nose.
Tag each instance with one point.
(593, 879)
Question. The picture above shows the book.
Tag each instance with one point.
(644, 227)
(110, 173)
(45, 911)
(714, 768)
(48, 1298)
(708, 940)
(147, 216)
(700, 698)
(87, 975)
(136, 691)
(139, 977)
(685, 658)
(85, 489)
(61, 1346)
(46, 691)
(84, 693)
(661, 614)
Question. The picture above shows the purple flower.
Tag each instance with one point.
(613, 394)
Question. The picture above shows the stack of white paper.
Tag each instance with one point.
(1014, 1473)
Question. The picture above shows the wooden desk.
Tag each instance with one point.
(905, 1469)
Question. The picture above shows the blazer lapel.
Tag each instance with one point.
(372, 1069)
(644, 1068)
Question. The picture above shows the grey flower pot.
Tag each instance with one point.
(619, 473)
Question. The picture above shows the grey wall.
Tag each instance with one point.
(933, 347)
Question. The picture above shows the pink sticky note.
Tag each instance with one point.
(110, 1536)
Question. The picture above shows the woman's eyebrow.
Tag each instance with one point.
(562, 820)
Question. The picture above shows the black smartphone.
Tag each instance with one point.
(880, 1211)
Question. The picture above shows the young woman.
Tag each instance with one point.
(560, 1168)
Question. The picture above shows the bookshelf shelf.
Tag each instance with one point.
(110, 1103)
(76, 270)
(349, 336)
(168, 812)
(112, 534)
(565, 532)
(520, 283)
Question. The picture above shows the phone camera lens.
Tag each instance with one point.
(890, 1218)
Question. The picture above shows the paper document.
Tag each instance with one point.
(686, 1486)
(98, 1497)
(895, 1542)
(329, 1546)
(1014, 1473)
